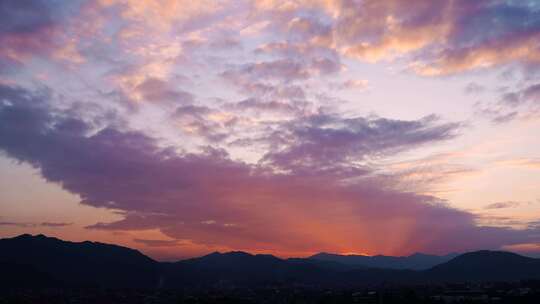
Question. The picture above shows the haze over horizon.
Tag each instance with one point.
(181, 128)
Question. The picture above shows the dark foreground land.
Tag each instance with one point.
(521, 292)
(40, 269)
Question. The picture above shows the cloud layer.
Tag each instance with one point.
(247, 124)
(208, 198)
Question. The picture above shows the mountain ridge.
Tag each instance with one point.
(43, 261)
(416, 261)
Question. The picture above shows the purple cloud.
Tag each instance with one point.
(502, 205)
(324, 141)
(30, 28)
(213, 200)
(473, 88)
(153, 89)
(54, 224)
(16, 224)
(283, 70)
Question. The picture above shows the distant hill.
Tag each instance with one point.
(78, 264)
(240, 268)
(417, 261)
(487, 265)
(40, 261)
(324, 264)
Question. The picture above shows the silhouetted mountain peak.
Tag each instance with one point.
(322, 254)
(237, 253)
(79, 263)
(232, 257)
(27, 236)
(23, 236)
(498, 253)
(488, 265)
(38, 238)
(483, 256)
(217, 255)
(334, 255)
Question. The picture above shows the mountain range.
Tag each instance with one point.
(417, 261)
(41, 261)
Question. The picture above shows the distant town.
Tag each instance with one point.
(524, 292)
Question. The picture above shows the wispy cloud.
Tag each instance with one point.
(55, 224)
(158, 243)
(503, 205)
(44, 224)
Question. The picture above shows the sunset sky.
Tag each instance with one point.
(285, 127)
